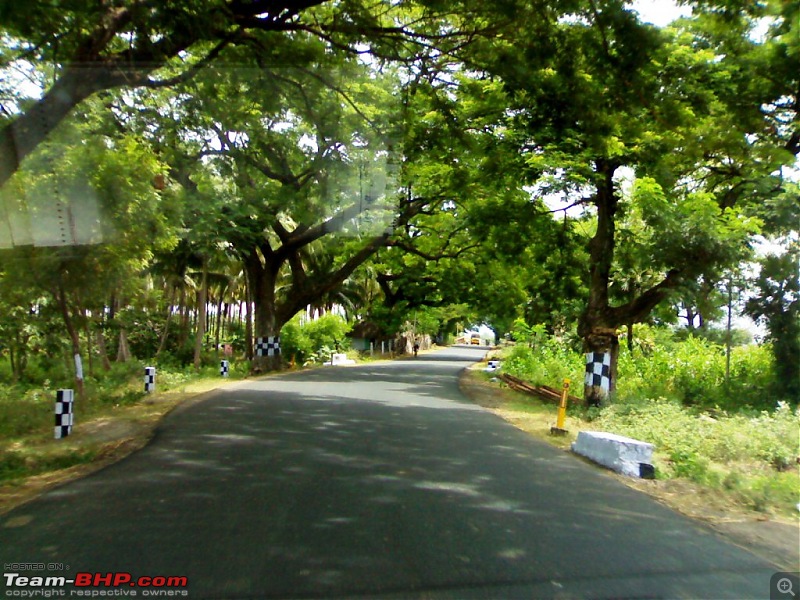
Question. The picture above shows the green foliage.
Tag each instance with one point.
(777, 304)
(314, 341)
(533, 336)
(689, 371)
(28, 408)
(693, 372)
(672, 393)
(688, 230)
(15, 464)
(22, 411)
(545, 360)
(752, 454)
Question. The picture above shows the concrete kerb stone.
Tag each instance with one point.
(621, 454)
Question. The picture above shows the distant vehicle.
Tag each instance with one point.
(475, 339)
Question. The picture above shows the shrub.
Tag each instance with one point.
(691, 371)
(754, 455)
(24, 410)
(314, 340)
(727, 434)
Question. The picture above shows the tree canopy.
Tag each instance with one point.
(562, 162)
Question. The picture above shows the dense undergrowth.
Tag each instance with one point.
(26, 410)
(733, 434)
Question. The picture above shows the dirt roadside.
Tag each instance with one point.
(776, 539)
(111, 438)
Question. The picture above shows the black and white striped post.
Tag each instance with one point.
(598, 371)
(149, 379)
(268, 346)
(64, 415)
(224, 368)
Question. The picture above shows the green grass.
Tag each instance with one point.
(16, 464)
(27, 446)
(705, 430)
(753, 456)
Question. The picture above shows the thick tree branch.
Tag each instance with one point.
(640, 307)
(189, 73)
(429, 256)
(303, 236)
(90, 69)
(311, 293)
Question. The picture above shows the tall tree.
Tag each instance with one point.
(274, 159)
(110, 220)
(777, 305)
(94, 47)
(598, 94)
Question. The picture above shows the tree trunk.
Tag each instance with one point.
(599, 332)
(74, 339)
(184, 309)
(728, 329)
(267, 353)
(89, 350)
(602, 352)
(599, 321)
(690, 316)
(218, 323)
(12, 359)
(201, 317)
(102, 351)
(123, 351)
(248, 324)
(165, 334)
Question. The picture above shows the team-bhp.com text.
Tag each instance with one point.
(94, 585)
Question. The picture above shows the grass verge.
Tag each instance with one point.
(763, 522)
(33, 462)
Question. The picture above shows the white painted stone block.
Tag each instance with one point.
(340, 359)
(621, 454)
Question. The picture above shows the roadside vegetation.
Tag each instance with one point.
(27, 446)
(222, 176)
(732, 432)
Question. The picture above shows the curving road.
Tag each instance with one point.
(371, 481)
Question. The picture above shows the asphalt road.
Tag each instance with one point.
(373, 481)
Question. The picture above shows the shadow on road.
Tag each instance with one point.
(323, 498)
(373, 480)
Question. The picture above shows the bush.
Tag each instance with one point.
(690, 371)
(753, 455)
(315, 340)
(14, 464)
(24, 410)
(731, 435)
(542, 359)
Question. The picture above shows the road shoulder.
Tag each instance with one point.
(775, 539)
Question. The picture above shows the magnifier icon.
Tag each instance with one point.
(785, 587)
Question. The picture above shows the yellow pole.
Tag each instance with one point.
(562, 407)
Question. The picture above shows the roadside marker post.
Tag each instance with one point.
(149, 379)
(562, 412)
(224, 368)
(65, 417)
